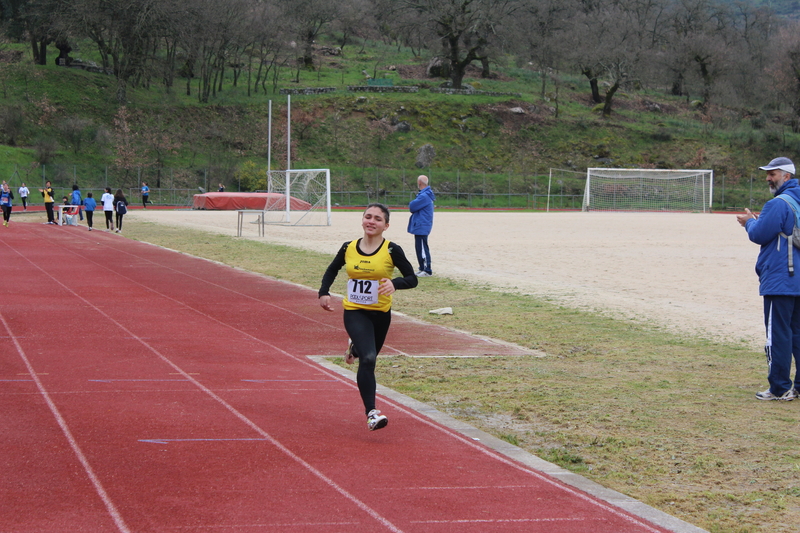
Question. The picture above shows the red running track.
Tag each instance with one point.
(143, 390)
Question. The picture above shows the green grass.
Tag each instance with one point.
(473, 135)
(669, 420)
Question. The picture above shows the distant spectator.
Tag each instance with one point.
(49, 200)
(221, 188)
(77, 199)
(121, 207)
(23, 194)
(108, 208)
(5, 202)
(420, 224)
(90, 205)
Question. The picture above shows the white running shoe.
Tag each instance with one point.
(787, 396)
(349, 356)
(375, 420)
(423, 274)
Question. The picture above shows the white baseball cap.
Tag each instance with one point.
(782, 163)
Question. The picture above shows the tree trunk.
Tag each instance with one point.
(609, 97)
(592, 76)
(456, 75)
(485, 70)
(122, 92)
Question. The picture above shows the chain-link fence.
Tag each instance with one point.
(358, 186)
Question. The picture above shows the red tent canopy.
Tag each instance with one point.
(247, 200)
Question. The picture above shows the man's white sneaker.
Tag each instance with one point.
(787, 396)
(375, 420)
(423, 274)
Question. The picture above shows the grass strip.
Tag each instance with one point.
(670, 420)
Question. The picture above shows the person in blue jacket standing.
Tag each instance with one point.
(421, 223)
(778, 285)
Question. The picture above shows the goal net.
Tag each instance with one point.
(565, 189)
(622, 189)
(298, 197)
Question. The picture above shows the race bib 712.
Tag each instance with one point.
(362, 291)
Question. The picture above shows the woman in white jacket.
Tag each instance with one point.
(108, 208)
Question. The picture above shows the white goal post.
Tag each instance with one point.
(300, 197)
(637, 189)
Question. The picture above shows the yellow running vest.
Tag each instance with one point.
(363, 272)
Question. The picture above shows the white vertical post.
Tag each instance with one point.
(587, 199)
(711, 191)
(269, 140)
(328, 192)
(288, 155)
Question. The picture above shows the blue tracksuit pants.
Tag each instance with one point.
(423, 253)
(782, 320)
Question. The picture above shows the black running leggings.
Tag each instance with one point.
(89, 215)
(109, 219)
(367, 331)
(6, 213)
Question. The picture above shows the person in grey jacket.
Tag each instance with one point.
(421, 223)
(778, 283)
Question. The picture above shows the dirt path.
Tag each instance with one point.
(691, 273)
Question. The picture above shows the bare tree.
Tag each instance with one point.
(466, 29)
(784, 71)
(541, 33)
(356, 18)
(608, 45)
(306, 19)
(126, 33)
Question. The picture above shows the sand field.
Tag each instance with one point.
(689, 273)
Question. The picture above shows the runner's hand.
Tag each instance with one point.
(386, 287)
(325, 302)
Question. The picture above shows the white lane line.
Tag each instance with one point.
(275, 442)
(112, 509)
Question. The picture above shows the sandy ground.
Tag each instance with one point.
(690, 273)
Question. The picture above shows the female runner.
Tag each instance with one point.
(370, 263)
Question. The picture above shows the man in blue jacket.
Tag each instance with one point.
(779, 287)
(421, 223)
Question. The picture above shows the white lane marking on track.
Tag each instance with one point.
(413, 414)
(275, 442)
(242, 294)
(112, 509)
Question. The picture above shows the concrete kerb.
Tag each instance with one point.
(519, 455)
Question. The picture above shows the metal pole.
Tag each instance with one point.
(269, 140)
(288, 154)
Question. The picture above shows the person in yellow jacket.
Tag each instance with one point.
(370, 262)
(49, 200)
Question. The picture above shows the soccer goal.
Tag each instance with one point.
(624, 189)
(298, 197)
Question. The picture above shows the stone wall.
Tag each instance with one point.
(472, 92)
(383, 89)
(309, 90)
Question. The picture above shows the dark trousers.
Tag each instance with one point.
(109, 219)
(89, 215)
(119, 221)
(6, 213)
(782, 320)
(367, 331)
(423, 253)
(145, 200)
(48, 206)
